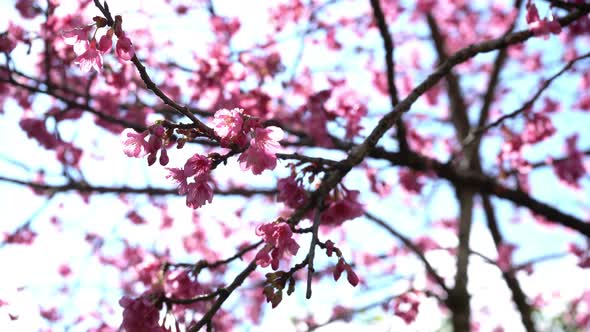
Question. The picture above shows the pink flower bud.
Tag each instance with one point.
(105, 43)
(164, 157)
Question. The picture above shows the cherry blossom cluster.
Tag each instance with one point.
(278, 237)
(541, 27)
(198, 192)
(237, 130)
(583, 255)
(258, 146)
(342, 207)
(66, 152)
(141, 314)
(406, 306)
(571, 169)
(291, 192)
(90, 52)
(135, 144)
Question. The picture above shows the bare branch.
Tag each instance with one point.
(388, 45)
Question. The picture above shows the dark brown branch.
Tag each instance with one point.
(203, 264)
(359, 152)
(479, 131)
(569, 5)
(224, 293)
(86, 188)
(518, 296)
(73, 104)
(544, 163)
(388, 45)
(456, 100)
(347, 315)
(485, 185)
(152, 86)
(306, 159)
(313, 242)
(494, 79)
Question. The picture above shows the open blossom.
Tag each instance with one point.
(540, 27)
(124, 48)
(228, 125)
(291, 193)
(278, 237)
(505, 252)
(76, 36)
(197, 166)
(199, 193)
(343, 209)
(260, 155)
(91, 58)
(411, 181)
(140, 315)
(406, 307)
(36, 129)
(537, 128)
(134, 144)
(571, 169)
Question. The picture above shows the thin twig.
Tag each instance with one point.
(313, 242)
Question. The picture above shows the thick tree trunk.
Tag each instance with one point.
(459, 296)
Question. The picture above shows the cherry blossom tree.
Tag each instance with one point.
(213, 162)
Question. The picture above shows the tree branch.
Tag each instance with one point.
(87, 188)
(410, 245)
(388, 45)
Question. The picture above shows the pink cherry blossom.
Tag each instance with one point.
(68, 154)
(278, 237)
(64, 270)
(260, 155)
(505, 252)
(541, 27)
(91, 58)
(344, 209)
(50, 314)
(228, 124)
(140, 315)
(197, 166)
(537, 128)
(105, 43)
(27, 8)
(291, 193)
(177, 174)
(199, 193)
(571, 169)
(134, 144)
(183, 285)
(36, 129)
(406, 307)
(381, 188)
(75, 36)
(582, 254)
(124, 48)
(411, 181)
